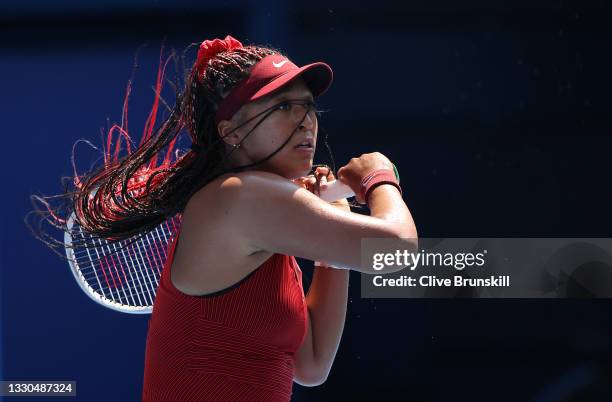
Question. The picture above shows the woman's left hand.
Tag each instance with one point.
(317, 182)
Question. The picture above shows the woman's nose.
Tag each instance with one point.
(308, 121)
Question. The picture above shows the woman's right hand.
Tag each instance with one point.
(358, 168)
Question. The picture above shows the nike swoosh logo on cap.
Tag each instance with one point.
(279, 65)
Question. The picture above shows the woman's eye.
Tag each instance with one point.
(284, 106)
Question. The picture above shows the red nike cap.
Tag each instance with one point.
(268, 75)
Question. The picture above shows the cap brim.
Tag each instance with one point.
(318, 76)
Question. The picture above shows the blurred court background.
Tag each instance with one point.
(497, 114)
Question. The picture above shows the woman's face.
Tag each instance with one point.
(291, 161)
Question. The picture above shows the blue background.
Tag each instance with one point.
(497, 115)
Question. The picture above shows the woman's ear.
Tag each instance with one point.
(227, 132)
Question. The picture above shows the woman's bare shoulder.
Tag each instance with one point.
(214, 199)
(229, 181)
(214, 209)
(209, 233)
(231, 188)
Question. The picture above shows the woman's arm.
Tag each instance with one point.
(327, 300)
(272, 213)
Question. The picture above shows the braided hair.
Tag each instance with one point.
(134, 194)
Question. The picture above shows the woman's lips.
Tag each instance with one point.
(306, 150)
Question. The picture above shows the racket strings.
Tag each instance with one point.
(140, 285)
(139, 282)
(126, 272)
(136, 271)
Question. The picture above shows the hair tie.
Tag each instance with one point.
(210, 48)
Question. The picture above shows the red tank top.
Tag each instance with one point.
(237, 344)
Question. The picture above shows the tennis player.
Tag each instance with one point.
(230, 320)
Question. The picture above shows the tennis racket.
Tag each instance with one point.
(124, 275)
